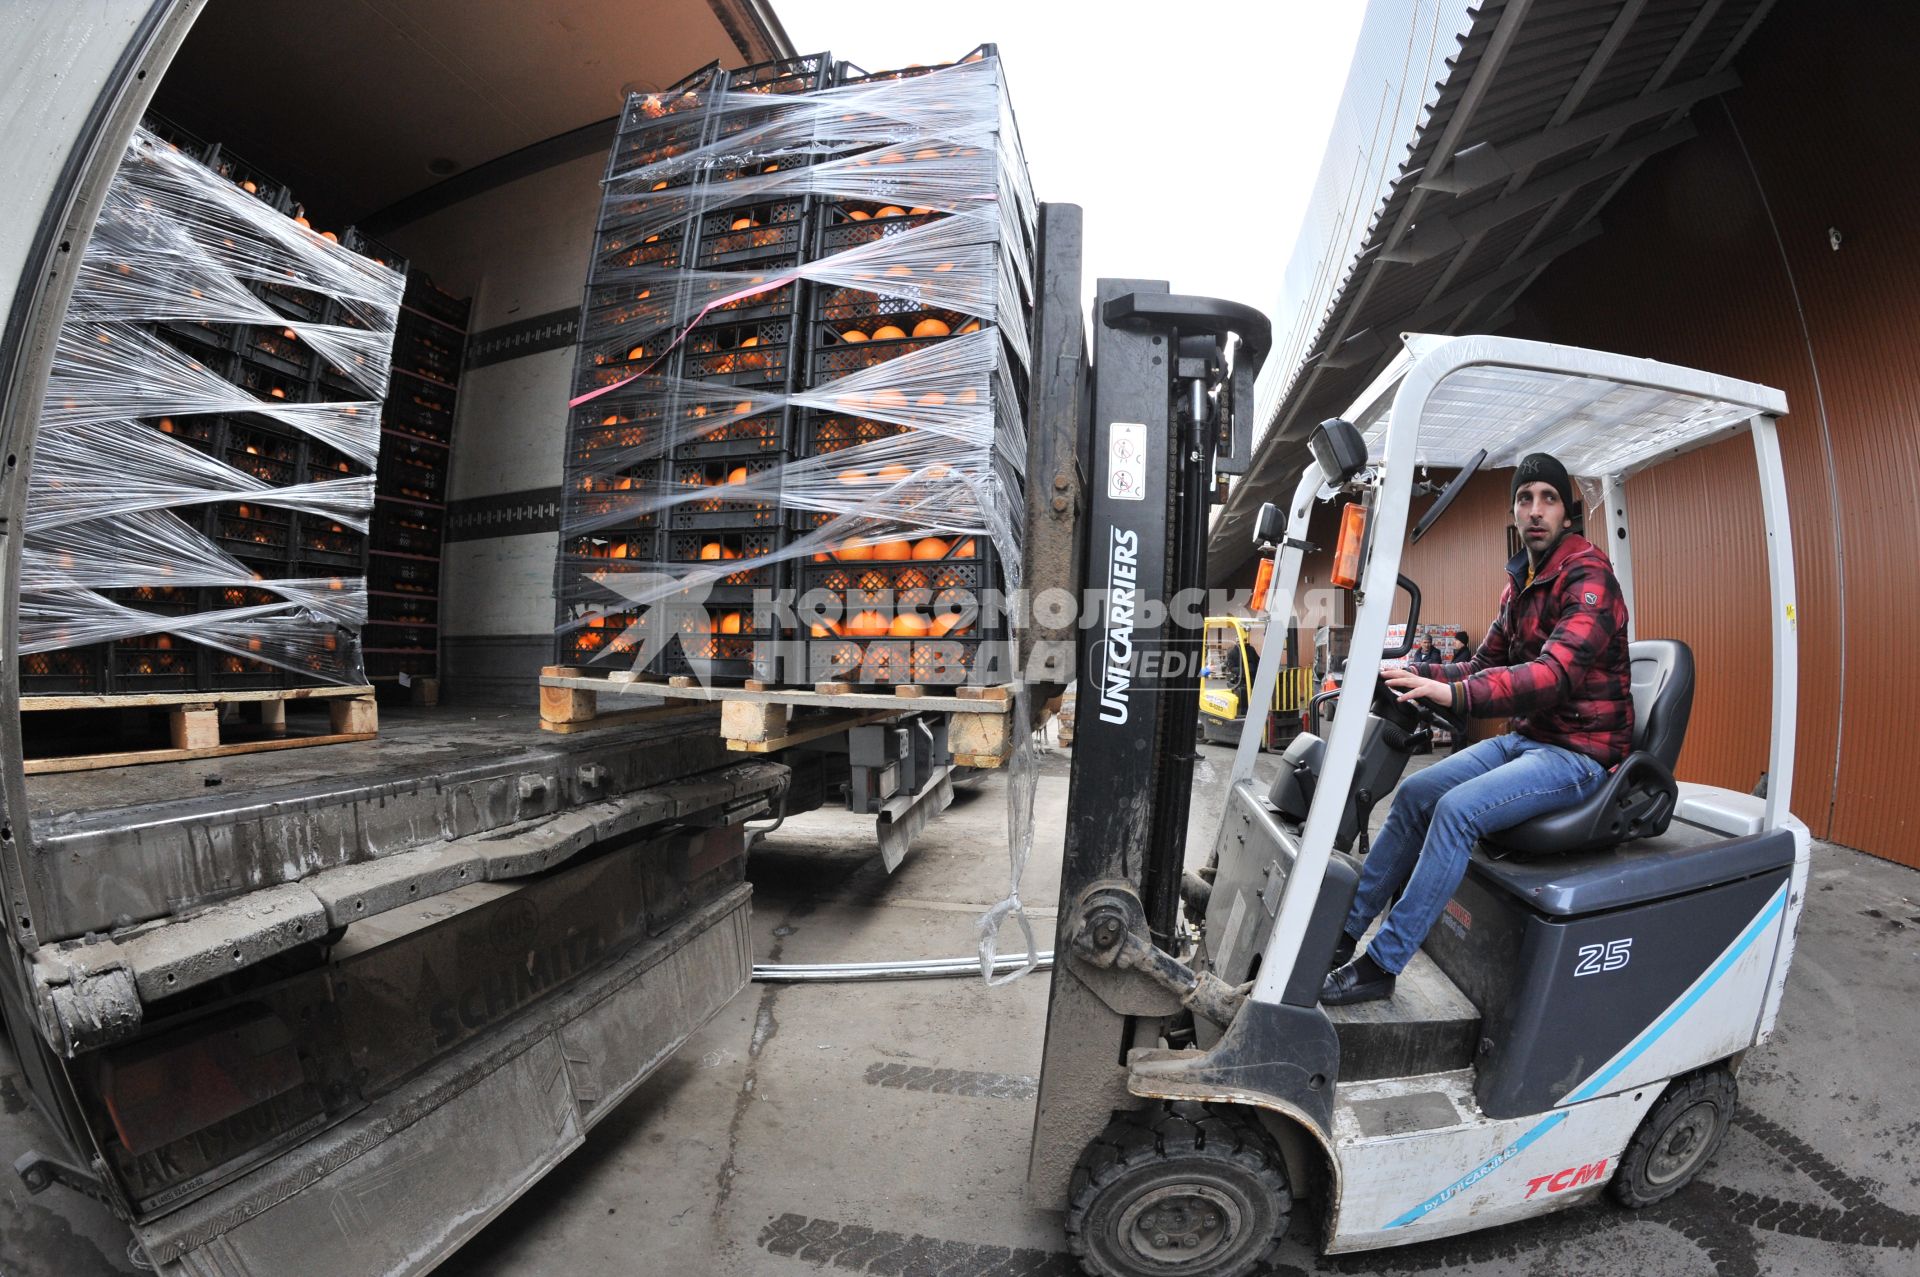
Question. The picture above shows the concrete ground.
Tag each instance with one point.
(882, 1128)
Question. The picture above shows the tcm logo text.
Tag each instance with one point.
(1572, 1177)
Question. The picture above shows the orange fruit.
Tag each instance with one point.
(930, 548)
(931, 328)
(852, 476)
(737, 475)
(964, 550)
(900, 271)
(888, 332)
(908, 625)
(825, 627)
(868, 624)
(742, 224)
(619, 551)
(918, 212)
(638, 352)
(930, 153)
(249, 188)
(659, 186)
(857, 216)
(945, 625)
(932, 399)
(971, 326)
(742, 408)
(891, 210)
(854, 553)
(893, 474)
(889, 400)
(330, 237)
(166, 425)
(278, 393)
(727, 552)
(969, 395)
(853, 334)
(711, 552)
(893, 551)
(943, 268)
(730, 623)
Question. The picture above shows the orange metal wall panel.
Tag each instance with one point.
(1719, 255)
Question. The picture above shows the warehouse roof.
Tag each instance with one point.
(1547, 109)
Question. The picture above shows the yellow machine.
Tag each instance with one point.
(1232, 648)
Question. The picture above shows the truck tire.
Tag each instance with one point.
(1178, 1190)
(1678, 1137)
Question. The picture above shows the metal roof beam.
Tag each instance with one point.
(1441, 233)
(1483, 163)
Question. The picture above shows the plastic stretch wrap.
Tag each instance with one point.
(216, 353)
(805, 345)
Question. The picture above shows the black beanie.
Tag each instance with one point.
(1540, 467)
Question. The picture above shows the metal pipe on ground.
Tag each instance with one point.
(915, 969)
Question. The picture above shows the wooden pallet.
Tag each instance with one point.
(757, 719)
(193, 723)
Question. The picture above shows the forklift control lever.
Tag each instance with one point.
(1110, 932)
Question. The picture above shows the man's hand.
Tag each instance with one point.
(1409, 686)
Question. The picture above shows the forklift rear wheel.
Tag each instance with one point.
(1178, 1189)
(1678, 1137)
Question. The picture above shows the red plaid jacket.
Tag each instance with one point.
(1555, 661)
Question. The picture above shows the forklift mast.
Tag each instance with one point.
(1168, 415)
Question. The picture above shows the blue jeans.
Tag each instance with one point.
(1438, 814)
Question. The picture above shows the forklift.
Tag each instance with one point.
(1233, 646)
(1573, 1026)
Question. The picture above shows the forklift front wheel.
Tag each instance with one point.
(1178, 1189)
(1678, 1137)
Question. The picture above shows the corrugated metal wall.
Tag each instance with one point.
(1718, 255)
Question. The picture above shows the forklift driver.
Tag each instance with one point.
(1555, 661)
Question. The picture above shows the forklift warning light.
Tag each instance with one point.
(1346, 553)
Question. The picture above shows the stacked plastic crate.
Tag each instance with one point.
(804, 351)
(200, 486)
(410, 500)
(672, 470)
(909, 497)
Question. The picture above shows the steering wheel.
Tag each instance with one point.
(1429, 713)
(1438, 508)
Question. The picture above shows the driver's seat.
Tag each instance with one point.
(1638, 797)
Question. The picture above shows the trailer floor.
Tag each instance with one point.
(412, 741)
(883, 1128)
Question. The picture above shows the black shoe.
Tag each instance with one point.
(1359, 981)
(1343, 952)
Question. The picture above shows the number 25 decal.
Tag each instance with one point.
(1611, 956)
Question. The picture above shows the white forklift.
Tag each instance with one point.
(1573, 1025)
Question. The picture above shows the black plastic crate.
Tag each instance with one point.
(392, 636)
(697, 492)
(360, 242)
(411, 470)
(210, 348)
(277, 348)
(637, 248)
(429, 299)
(230, 671)
(202, 338)
(710, 432)
(201, 431)
(849, 223)
(406, 527)
(426, 350)
(270, 452)
(948, 661)
(414, 415)
(734, 546)
(252, 529)
(842, 312)
(318, 539)
(761, 233)
(803, 74)
(689, 96)
(155, 663)
(249, 177)
(67, 670)
(270, 385)
(636, 543)
(850, 73)
(294, 302)
(764, 365)
(188, 143)
(860, 579)
(407, 576)
(325, 464)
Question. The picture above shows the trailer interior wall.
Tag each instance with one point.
(1720, 254)
(520, 251)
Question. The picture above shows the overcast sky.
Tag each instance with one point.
(1192, 140)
